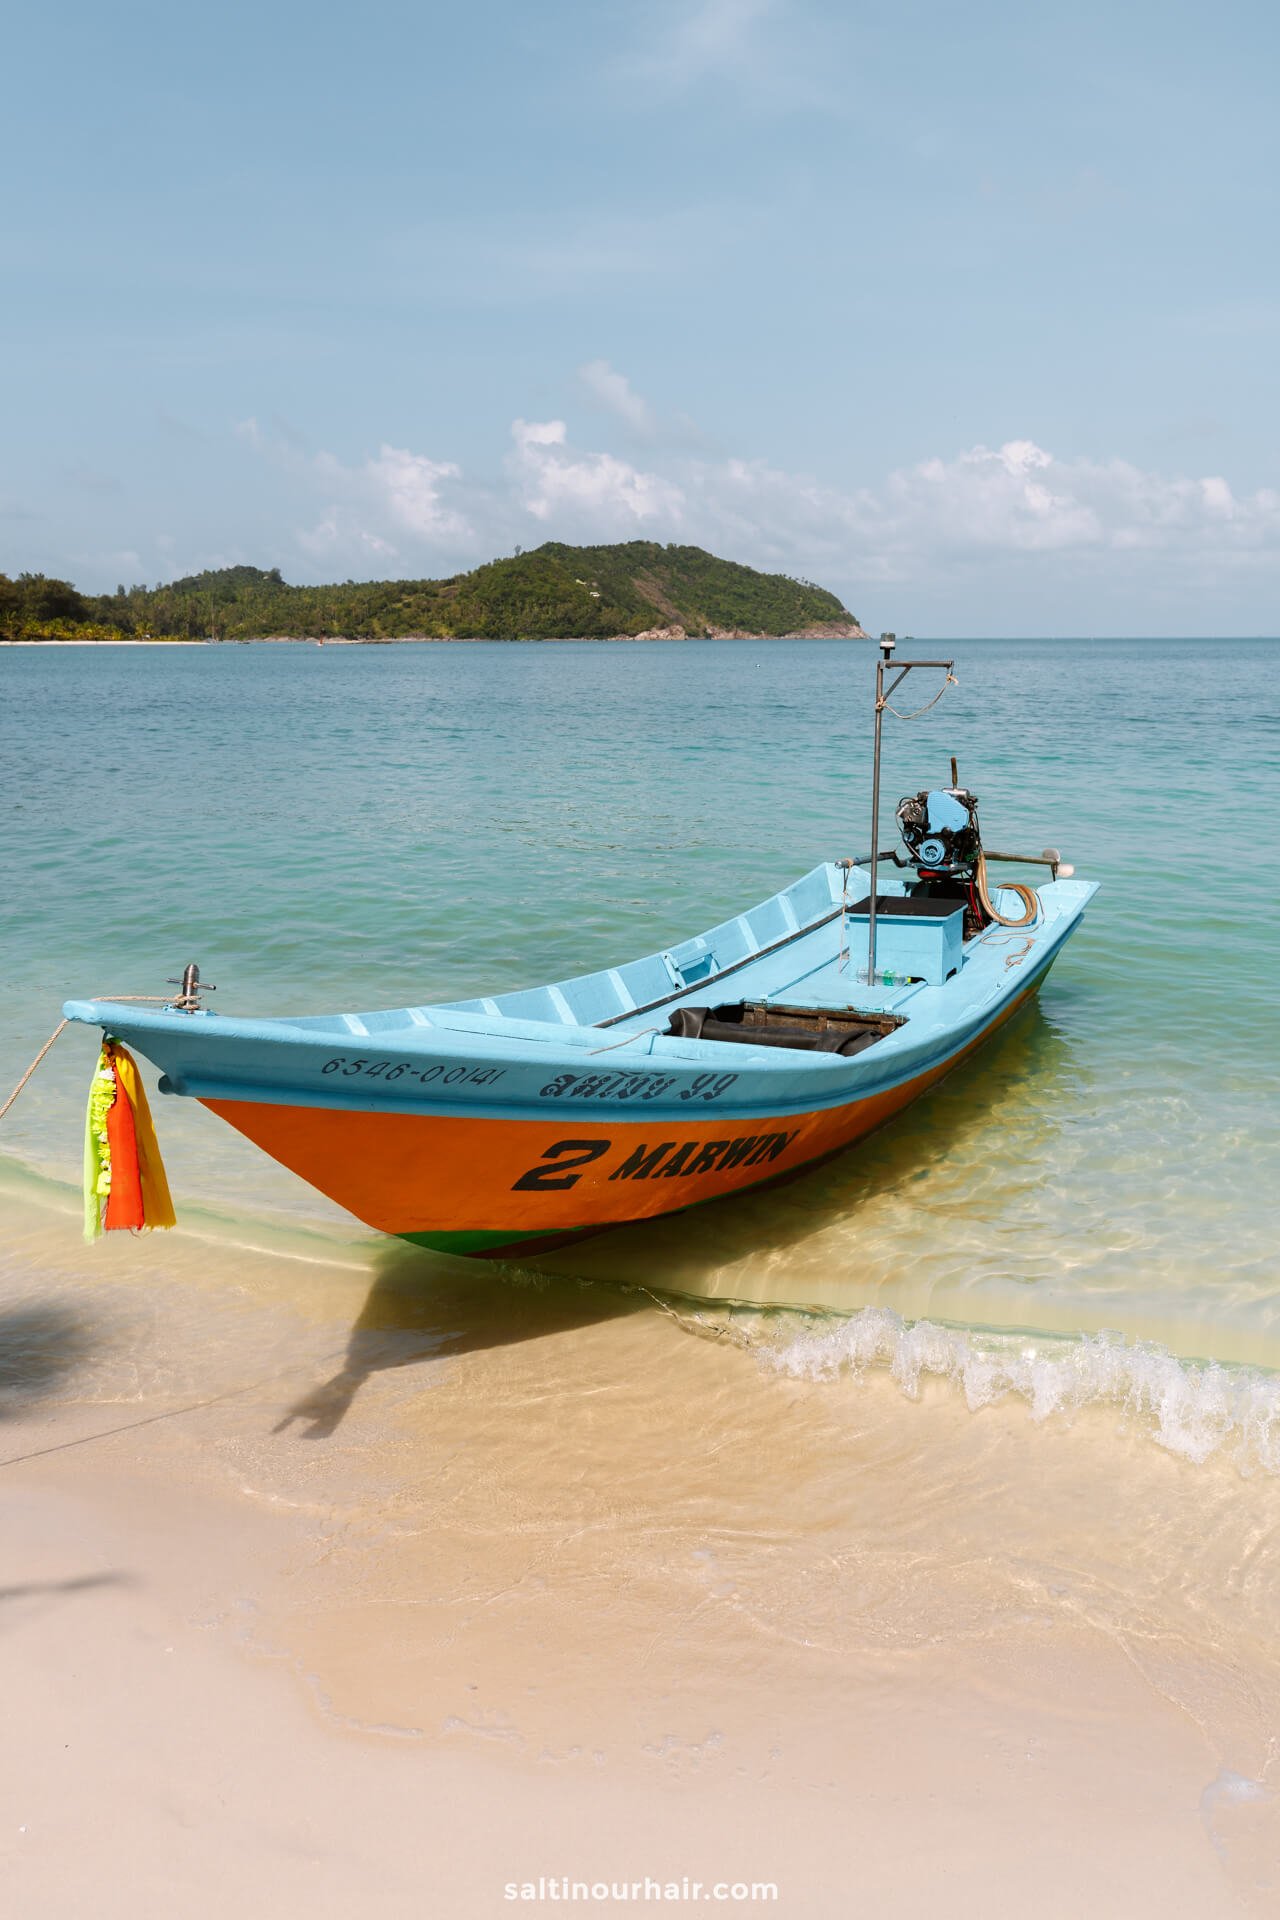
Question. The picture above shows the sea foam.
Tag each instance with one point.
(1192, 1408)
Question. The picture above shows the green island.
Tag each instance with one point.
(629, 591)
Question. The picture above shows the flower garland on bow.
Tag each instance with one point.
(124, 1179)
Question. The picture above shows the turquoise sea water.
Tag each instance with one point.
(1086, 1210)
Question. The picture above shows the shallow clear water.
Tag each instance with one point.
(354, 827)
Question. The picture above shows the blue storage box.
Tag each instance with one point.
(916, 936)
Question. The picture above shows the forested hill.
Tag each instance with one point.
(553, 592)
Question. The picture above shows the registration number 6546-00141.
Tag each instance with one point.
(576, 1086)
(389, 1071)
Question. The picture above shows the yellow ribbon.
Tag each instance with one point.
(157, 1206)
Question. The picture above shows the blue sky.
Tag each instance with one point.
(967, 311)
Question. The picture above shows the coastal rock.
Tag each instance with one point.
(817, 630)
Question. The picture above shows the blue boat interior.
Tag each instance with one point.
(759, 981)
(804, 948)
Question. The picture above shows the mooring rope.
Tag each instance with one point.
(156, 998)
(31, 1069)
(626, 1042)
(691, 1323)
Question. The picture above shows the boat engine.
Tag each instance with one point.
(940, 831)
(944, 845)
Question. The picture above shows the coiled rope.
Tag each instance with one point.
(1028, 896)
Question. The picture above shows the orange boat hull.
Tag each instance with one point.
(500, 1186)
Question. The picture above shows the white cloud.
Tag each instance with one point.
(594, 491)
(1216, 495)
(1017, 499)
(614, 391)
(538, 433)
(410, 485)
(932, 524)
(394, 492)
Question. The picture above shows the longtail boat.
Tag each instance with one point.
(502, 1126)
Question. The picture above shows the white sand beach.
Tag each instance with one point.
(339, 1588)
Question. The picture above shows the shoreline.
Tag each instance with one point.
(436, 639)
(56, 644)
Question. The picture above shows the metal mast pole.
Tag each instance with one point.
(887, 644)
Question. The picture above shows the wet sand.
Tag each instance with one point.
(375, 1583)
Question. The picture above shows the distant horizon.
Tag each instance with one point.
(568, 640)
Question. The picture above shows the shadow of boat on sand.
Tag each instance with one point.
(422, 1307)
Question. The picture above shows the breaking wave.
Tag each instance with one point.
(1192, 1408)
